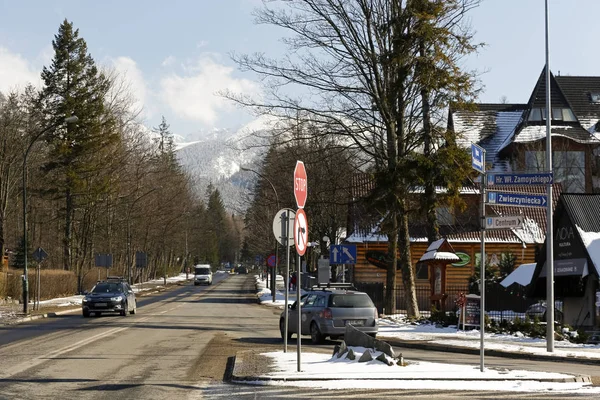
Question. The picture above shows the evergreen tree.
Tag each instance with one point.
(166, 144)
(73, 85)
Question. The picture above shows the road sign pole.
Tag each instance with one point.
(299, 307)
(482, 271)
(285, 222)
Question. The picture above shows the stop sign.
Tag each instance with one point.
(300, 185)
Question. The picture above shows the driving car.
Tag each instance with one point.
(326, 312)
(114, 295)
(202, 275)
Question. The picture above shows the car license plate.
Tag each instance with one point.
(100, 304)
(355, 322)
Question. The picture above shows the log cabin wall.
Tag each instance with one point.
(366, 272)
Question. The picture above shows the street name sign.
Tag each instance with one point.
(520, 200)
(503, 222)
(342, 254)
(477, 158)
(545, 178)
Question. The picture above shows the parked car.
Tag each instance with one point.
(114, 295)
(202, 275)
(538, 311)
(326, 312)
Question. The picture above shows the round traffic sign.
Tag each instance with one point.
(284, 217)
(272, 260)
(300, 184)
(301, 232)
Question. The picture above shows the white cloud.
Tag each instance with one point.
(128, 68)
(16, 71)
(195, 95)
(168, 61)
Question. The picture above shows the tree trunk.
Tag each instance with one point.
(408, 274)
(390, 281)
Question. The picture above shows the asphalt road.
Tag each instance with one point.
(180, 345)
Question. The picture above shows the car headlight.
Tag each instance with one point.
(118, 298)
(85, 299)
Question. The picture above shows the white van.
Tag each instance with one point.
(202, 275)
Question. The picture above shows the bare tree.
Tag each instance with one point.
(354, 62)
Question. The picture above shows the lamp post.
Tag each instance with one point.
(68, 120)
(274, 274)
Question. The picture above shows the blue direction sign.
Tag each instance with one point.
(342, 254)
(544, 178)
(477, 158)
(521, 200)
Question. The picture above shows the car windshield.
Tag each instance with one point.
(354, 300)
(107, 288)
(202, 271)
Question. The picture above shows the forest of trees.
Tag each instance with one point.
(101, 184)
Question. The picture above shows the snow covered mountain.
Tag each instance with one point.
(216, 160)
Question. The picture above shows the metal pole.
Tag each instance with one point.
(286, 240)
(185, 261)
(299, 307)
(549, 230)
(482, 272)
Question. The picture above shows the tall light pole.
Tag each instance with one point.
(274, 273)
(68, 120)
(549, 230)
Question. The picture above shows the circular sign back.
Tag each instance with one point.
(301, 232)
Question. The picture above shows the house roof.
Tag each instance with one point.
(583, 210)
(496, 126)
(578, 90)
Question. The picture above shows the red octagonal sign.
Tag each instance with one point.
(300, 184)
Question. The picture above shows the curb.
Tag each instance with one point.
(489, 352)
(242, 361)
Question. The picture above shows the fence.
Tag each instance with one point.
(500, 302)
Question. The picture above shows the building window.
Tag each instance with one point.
(444, 216)
(558, 114)
(595, 97)
(568, 167)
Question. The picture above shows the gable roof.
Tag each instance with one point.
(583, 210)
(578, 91)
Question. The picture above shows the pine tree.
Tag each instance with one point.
(166, 144)
(73, 85)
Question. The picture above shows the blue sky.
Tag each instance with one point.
(175, 54)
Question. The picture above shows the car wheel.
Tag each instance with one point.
(315, 334)
(124, 310)
(282, 330)
(86, 314)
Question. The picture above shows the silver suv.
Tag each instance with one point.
(326, 312)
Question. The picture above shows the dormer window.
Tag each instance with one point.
(558, 114)
(595, 97)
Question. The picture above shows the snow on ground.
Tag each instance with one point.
(423, 375)
(138, 287)
(327, 372)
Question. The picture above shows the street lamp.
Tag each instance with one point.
(68, 120)
(274, 274)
